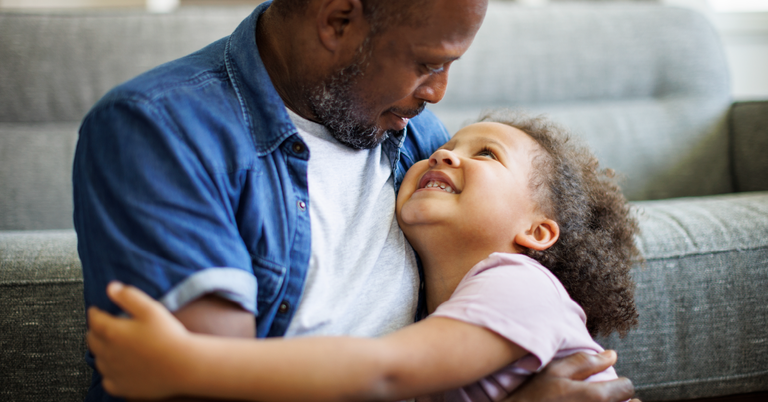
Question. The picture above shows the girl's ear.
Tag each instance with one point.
(541, 236)
(339, 21)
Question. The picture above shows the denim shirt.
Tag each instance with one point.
(191, 179)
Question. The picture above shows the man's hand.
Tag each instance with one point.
(563, 381)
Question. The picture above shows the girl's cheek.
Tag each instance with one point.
(413, 175)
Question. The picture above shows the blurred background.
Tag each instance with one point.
(742, 24)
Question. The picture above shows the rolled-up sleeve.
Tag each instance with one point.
(151, 213)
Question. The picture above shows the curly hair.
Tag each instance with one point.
(595, 251)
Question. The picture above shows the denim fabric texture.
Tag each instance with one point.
(187, 182)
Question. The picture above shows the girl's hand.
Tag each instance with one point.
(138, 357)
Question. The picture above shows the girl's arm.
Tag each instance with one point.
(153, 356)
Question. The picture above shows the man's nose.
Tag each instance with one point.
(445, 157)
(433, 88)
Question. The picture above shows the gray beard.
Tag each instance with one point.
(338, 108)
(342, 111)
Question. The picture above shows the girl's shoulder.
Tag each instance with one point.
(518, 270)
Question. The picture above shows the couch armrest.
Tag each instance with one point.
(42, 317)
(702, 300)
(748, 126)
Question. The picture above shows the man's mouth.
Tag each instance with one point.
(439, 181)
(406, 114)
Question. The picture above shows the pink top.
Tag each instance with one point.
(519, 299)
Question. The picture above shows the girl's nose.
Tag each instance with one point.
(444, 156)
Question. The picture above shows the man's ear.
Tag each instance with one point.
(541, 236)
(339, 22)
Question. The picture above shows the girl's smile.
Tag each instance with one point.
(437, 180)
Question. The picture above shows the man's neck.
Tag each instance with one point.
(275, 51)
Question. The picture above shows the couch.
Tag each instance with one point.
(647, 86)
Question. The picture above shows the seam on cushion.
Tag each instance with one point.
(701, 380)
(677, 256)
(40, 282)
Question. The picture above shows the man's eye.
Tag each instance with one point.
(434, 68)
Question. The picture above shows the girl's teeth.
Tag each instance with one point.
(443, 186)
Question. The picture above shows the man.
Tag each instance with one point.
(195, 183)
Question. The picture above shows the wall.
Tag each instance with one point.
(745, 37)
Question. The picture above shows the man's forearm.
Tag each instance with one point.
(215, 316)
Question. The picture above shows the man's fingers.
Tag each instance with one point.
(612, 391)
(580, 366)
(130, 299)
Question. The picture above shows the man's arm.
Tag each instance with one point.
(563, 381)
(213, 315)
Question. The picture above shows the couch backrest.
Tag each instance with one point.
(53, 68)
(646, 85)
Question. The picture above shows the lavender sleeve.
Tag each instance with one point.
(519, 299)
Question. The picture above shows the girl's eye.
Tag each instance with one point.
(487, 153)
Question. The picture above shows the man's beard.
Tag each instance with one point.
(339, 108)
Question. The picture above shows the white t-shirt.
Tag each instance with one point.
(363, 279)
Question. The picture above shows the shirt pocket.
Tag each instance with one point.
(269, 280)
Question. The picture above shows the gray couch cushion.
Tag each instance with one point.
(53, 68)
(701, 298)
(56, 66)
(36, 175)
(43, 319)
(647, 86)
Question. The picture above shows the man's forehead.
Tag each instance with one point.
(452, 23)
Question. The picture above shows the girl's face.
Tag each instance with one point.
(476, 186)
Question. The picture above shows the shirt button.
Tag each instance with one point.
(298, 147)
(284, 306)
(302, 205)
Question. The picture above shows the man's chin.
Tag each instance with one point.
(362, 138)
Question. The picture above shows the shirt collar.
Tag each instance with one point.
(263, 110)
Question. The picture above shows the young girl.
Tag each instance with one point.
(526, 247)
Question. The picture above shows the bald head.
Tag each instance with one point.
(381, 14)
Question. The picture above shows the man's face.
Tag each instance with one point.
(395, 73)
